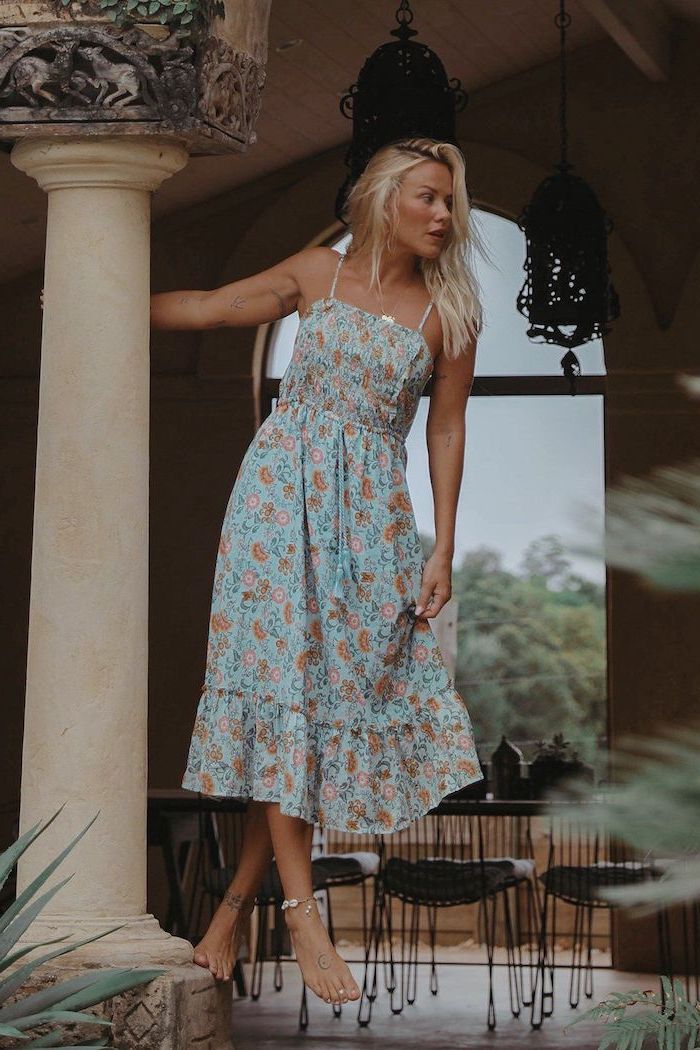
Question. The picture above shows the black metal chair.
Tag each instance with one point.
(444, 860)
(580, 864)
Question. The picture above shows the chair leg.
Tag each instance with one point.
(279, 931)
(576, 958)
(412, 971)
(369, 988)
(533, 921)
(258, 954)
(541, 993)
(432, 926)
(588, 979)
(511, 965)
(239, 979)
(394, 1008)
(303, 1010)
(337, 1007)
(489, 904)
(388, 946)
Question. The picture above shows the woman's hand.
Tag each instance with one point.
(436, 585)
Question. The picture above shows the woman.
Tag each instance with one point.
(325, 695)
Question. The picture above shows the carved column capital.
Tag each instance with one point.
(125, 163)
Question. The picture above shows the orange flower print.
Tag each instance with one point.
(375, 744)
(259, 552)
(301, 660)
(318, 480)
(266, 475)
(220, 622)
(400, 502)
(343, 651)
(259, 631)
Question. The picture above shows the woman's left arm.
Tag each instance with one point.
(446, 438)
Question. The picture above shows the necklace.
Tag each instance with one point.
(388, 318)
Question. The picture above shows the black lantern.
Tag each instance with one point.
(402, 91)
(568, 296)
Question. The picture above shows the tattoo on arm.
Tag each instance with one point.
(237, 303)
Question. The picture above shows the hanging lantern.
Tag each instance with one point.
(568, 296)
(402, 91)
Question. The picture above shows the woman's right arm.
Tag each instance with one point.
(266, 296)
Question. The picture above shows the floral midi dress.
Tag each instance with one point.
(323, 691)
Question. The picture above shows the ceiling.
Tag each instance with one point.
(479, 41)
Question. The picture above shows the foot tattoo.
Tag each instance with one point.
(322, 969)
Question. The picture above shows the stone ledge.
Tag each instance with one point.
(186, 1008)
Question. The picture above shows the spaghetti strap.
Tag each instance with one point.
(425, 316)
(335, 277)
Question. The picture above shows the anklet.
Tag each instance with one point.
(294, 903)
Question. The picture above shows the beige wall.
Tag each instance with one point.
(636, 142)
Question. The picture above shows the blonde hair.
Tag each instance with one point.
(371, 211)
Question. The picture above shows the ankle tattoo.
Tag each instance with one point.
(236, 901)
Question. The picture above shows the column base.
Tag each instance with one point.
(184, 1008)
(139, 942)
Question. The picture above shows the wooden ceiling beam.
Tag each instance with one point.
(641, 28)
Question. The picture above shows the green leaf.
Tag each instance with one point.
(10, 936)
(109, 983)
(7, 1029)
(187, 17)
(47, 997)
(12, 854)
(10, 960)
(153, 6)
(179, 7)
(142, 9)
(68, 1016)
(164, 16)
(26, 895)
(16, 979)
(89, 1045)
(49, 1041)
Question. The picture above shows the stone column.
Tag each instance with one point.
(86, 702)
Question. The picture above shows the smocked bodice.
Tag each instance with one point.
(358, 367)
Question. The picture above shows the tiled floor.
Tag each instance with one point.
(454, 1018)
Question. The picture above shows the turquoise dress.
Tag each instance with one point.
(323, 691)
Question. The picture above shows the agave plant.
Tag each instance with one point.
(62, 1003)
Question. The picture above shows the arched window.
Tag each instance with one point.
(531, 655)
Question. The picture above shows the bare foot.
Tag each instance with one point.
(322, 968)
(218, 948)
